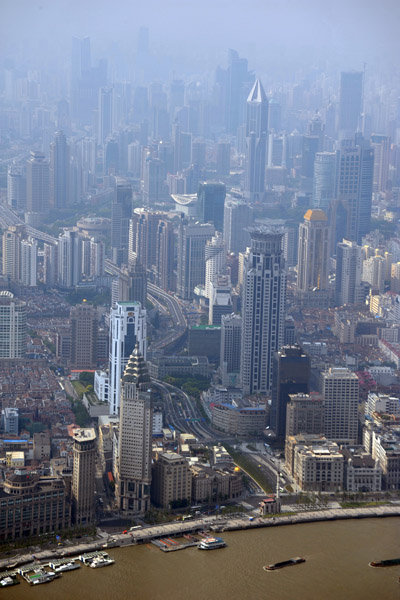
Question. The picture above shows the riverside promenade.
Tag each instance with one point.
(217, 524)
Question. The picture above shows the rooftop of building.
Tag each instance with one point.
(84, 435)
(315, 214)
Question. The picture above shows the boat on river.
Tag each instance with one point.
(211, 543)
(284, 563)
(391, 562)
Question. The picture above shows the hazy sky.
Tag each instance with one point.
(345, 31)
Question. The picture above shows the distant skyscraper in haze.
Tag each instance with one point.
(215, 258)
(256, 142)
(237, 78)
(60, 171)
(263, 309)
(37, 183)
(354, 192)
(313, 256)
(348, 273)
(105, 114)
(381, 147)
(121, 212)
(324, 184)
(350, 105)
(16, 187)
(223, 159)
(238, 217)
(191, 269)
(290, 375)
(211, 199)
(69, 258)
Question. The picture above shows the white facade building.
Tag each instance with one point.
(127, 328)
(340, 388)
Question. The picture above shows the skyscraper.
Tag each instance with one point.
(135, 436)
(60, 171)
(211, 199)
(165, 255)
(12, 326)
(12, 238)
(105, 125)
(69, 258)
(121, 212)
(29, 253)
(84, 330)
(350, 104)
(237, 79)
(83, 477)
(223, 159)
(238, 217)
(256, 142)
(263, 309)
(348, 288)
(37, 183)
(231, 341)
(191, 270)
(381, 147)
(340, 389)
(324, 185)
(16, 187)
(127, 328)
(313, 255)
(354, 191)
(215, 257)
(290, 375)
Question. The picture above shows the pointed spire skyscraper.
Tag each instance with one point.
(256, 142)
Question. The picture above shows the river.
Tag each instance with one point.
(336, 568)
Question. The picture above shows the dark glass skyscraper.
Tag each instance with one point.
(211, 199)
(290, 375)
(350, 106)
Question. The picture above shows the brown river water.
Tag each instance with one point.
(337, 556)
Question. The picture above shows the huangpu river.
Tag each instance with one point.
(336, 568)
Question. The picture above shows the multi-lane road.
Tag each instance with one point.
(8, 217)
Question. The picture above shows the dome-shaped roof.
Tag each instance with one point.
(315, 214)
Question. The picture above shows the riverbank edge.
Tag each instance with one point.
(177, 529)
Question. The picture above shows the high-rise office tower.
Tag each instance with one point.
(215, 257)
(290, 375)
(324, 186)
(12, 238)
(231, 342)
(105, 115)
(348, 288)
(256, 142)
(238, 217)
(130, 285)
(275, 115)
(305, 414)
(12, 326)
(97, 256)
(211, 199)
(263, 309)
(164, 264)
(127, 328)
(223, 159)
(69, 258)
(192, 239)
(83, 477)
(310, 147)
(16, 187)
(237, 79)
(291, 243)
(199, 153)
(340, 389)
(37, 183)
(135, 437)
(313, 255)
(29, 252)
(154, 188)
(50, 264)
(182, 143)
(351, 212)
(350, 104)
(381, 146)
(60, 171)
(219, 299)
(84, 330)
(143, 229)
(121, 212)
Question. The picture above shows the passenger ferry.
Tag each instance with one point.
(211, 543)
(101, 561)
